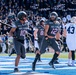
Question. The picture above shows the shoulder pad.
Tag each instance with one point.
(48, 22)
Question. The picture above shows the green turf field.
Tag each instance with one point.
(46, 55)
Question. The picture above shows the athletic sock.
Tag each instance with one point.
(54, 57)
(73, 58)
(69, 61)
(39, 58)
(36, 58)
(73, 55)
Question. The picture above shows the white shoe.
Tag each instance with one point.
(73, 65)
(69, 65)
(73, 62)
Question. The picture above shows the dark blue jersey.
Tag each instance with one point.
(53, 28)
(21, 30)
(40, 31)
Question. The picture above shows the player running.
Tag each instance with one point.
(51, 29)
(18, 31)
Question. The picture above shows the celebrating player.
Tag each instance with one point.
(19, 30)
(51, 29)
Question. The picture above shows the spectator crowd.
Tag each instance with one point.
(40, 7)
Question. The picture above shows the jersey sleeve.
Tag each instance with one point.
(14, 25)
(35, 28)
(47, 23)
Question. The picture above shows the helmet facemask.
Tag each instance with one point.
(22, 15)
(53, 16)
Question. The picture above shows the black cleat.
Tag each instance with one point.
(52, 65)
(16, 70)
(10, 54)
(39, 61)
(56, 62)
(33, 66)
